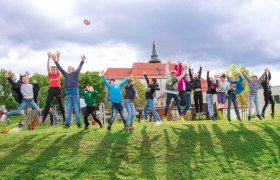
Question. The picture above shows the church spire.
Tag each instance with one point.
(154, 56)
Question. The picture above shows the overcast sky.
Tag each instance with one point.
(215, 33)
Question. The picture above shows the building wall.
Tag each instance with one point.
(275, 94)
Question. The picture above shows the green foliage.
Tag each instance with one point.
(242, 97)
(192, 150)
(93, 79)
(44, 86)
(5, 86)
(10, 103)
(141, 89)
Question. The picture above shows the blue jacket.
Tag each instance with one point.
(239, 87)
(115, 92)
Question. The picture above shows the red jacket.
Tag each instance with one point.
(182, 83)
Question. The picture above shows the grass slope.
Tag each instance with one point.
(192, 150)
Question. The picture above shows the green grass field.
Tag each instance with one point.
(190, 150)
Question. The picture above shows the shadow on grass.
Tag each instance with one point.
(206, 148)
(147, 157)
(180, 160)
(107, 157)
(43, 161)
(241, 145)
(274, 137)
(22, 148)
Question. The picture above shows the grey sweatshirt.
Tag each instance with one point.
(254, 86)
(172, 84)
(223, 86)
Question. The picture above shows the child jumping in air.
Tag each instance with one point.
(267, 93)
(211, 90)
(254, 84)
(72, 92)
(54, 87)
(223, 86)
(26, 95)
(198, 96)
(235, 88)
(171, 89)
(130, 94)
(89, 95)
(115, 95)
(151, 89)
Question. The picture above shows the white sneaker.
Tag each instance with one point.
(158, 123)
(144, 120)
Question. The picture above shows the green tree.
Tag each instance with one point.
(141, 90)
(93, 79)
(44, 86)
(5, 86)
(11, 103)
(242, 97)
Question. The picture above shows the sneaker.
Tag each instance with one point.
(182, 119)
(101, 126)
(272, 115)
(263, 115)
(79, 126)
(259, 117)
(212, 118)
(86, 128)
(164, 119)
(158, 123)
(4, 117)
(201, 115)
(249, 118)
(131, 126)
(144, 120)
(239, 119)
(228, 118)
(197, 116)
(127, 128)
(66, 127)
(109, 128)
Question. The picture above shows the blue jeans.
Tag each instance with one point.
(210, 102)
(117, 107)
(22, 105)
(150, 102)
(254, 99)
(233, 99)
(189, 102)
(72, 101)
(168, 101)
(131, 113)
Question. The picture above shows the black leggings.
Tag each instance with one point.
(270, 99)
(198, 100)
(90, 110)
(54, 92)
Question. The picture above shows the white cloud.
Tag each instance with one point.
(21, 59)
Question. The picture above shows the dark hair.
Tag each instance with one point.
(255, 76)
(154, 80)
(223, 76)
(112, 80)
(21, 76)
(130, 81)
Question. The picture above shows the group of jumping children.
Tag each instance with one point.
(180, 82)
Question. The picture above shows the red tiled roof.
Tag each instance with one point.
(117, 73)
(152, 69)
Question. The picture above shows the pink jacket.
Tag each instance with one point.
(182, 83)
